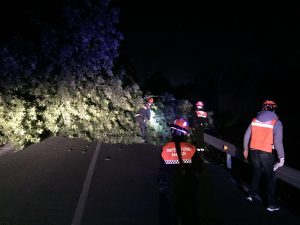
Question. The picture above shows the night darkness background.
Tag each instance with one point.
(232, 57)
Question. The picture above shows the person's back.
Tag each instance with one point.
(264, 117)
(263, 135)
(177, 172)
(178, 181)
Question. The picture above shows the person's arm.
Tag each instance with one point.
(278, 137)
(278, 144)
(247, 136)
(148, 114)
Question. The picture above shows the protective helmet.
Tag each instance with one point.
(150, 100)
(200, 105)
(269, 105)
(180, 127)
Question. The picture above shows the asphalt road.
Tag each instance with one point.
(64, 181)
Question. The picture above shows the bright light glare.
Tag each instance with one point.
(153, 122)
(152, 119)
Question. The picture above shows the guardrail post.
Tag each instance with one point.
(228, 161)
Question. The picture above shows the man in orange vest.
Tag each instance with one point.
(262, 136)
(178, 182)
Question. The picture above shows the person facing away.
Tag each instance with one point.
(263, 135)
(178, 182)
(143, 115)
(199, 123)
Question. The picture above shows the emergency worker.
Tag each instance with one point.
(263, 135)
(178, 183)
(199, 123)
(143, 116)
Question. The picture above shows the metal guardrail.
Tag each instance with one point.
(220, 144)
(285, 173)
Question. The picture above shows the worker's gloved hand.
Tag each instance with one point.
(279, 164)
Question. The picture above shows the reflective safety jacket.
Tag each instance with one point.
(262, 135)
(169, 153)
(201, 114)
(199, 120)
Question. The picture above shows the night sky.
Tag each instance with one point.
(230, 56)
(184, 40)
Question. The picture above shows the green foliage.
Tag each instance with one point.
(98, 109)
(93, 110)
(185, 108)
(158, 132)
(66, 84)
(19, 122)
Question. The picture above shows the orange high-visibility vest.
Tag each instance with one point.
(262, 135)
(201, 114)
(169, 153)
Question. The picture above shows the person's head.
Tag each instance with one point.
(269, 105)
(199, 105)
(149, 101)
(180, 128)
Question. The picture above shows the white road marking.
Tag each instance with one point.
(85, 189)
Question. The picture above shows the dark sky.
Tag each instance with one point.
(182, 40)
(187, 39)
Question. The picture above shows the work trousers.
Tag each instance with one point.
(262, 164)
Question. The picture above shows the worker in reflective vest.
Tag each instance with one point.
(263, 135)
(178, 182)
(199, 123)
(143, 115)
